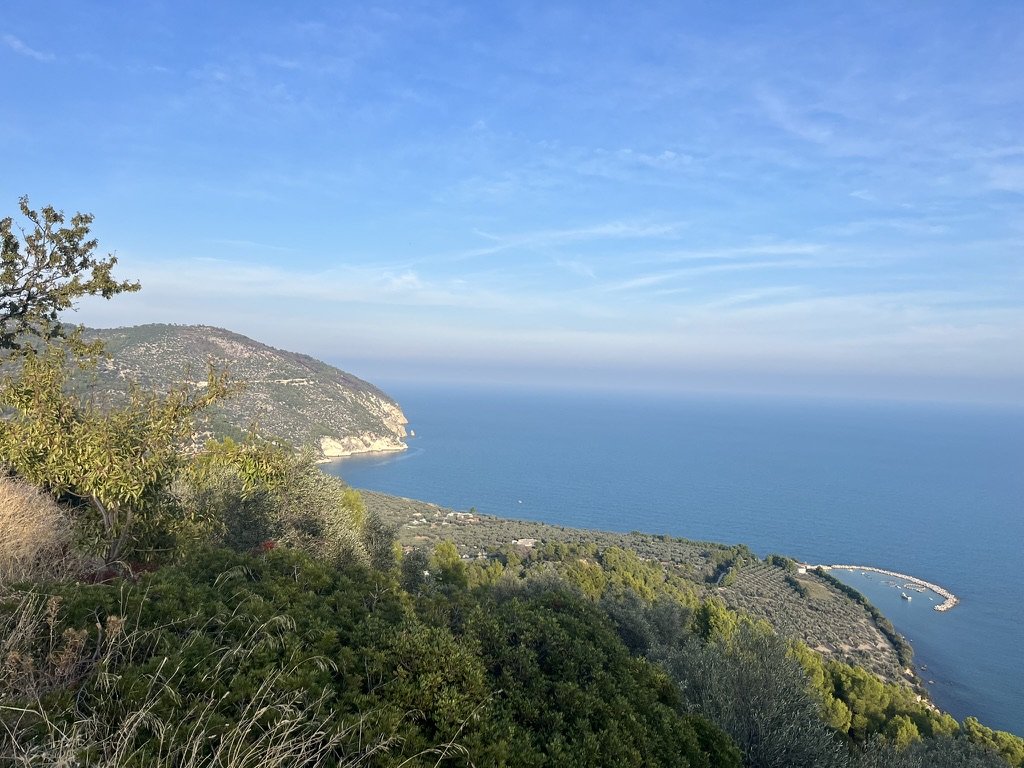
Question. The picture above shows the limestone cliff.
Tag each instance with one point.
(288, 395)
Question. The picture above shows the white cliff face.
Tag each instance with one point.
(391, 418)
(332, 448)
(390, 414)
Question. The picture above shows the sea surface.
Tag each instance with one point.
(934, 491)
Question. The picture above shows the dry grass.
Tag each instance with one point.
(35, 534)
(275, 729)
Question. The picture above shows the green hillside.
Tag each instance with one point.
(287, 395)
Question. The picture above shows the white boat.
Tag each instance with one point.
(905, 596)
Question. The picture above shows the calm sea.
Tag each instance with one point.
(935, 491)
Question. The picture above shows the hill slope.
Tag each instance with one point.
(287, 395)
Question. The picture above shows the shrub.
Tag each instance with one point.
(299, 506)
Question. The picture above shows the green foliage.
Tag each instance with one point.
(710, 645)
(714, 621)
(739, 678)
(728, 562)
(1008, 746)
(861, 706)
(570, 694)
(117, 461)
(516, 678)
(256, 491)
(825, 618)
(798, 586)
(901, 731)
(603, 571)
(941, 752)
(835, 711)
(415, 570)
(45, 270)
(781, 561)
(260, 465)
(447, 566)
(864, 709)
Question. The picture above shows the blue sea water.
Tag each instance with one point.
(934, 491)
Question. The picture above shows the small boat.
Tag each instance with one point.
(905, 596)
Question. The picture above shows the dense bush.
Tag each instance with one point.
(243, 650)
(286, 500)
(739, 676)
(944, 752)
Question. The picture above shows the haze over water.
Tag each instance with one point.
(930, 490)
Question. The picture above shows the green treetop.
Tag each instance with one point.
(44, 268)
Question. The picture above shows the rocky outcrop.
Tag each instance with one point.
(286, 395)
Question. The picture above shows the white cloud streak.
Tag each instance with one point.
(20, 47)
(544, 239)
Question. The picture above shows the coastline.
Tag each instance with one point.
(327, 459)
(950, 600)
(332, 449)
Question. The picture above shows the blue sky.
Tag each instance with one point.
(819, 198)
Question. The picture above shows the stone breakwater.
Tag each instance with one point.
(949, 601)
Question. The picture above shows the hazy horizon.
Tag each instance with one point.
(802, 200)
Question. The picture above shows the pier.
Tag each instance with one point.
(949, 599)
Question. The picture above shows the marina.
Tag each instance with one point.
(911, 582)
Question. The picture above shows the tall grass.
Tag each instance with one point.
(274, 729)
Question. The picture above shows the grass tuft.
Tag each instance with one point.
(35, 535)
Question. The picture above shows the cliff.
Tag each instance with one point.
(287, 395)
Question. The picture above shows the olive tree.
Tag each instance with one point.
(45, 266)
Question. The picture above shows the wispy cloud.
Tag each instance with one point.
(791, 120)
(626, 163)
(237, 281)
(543, 239)
(659, 278)
(795, 248)
(19, 46)
(912, 226)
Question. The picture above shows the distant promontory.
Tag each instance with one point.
(287, 395)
